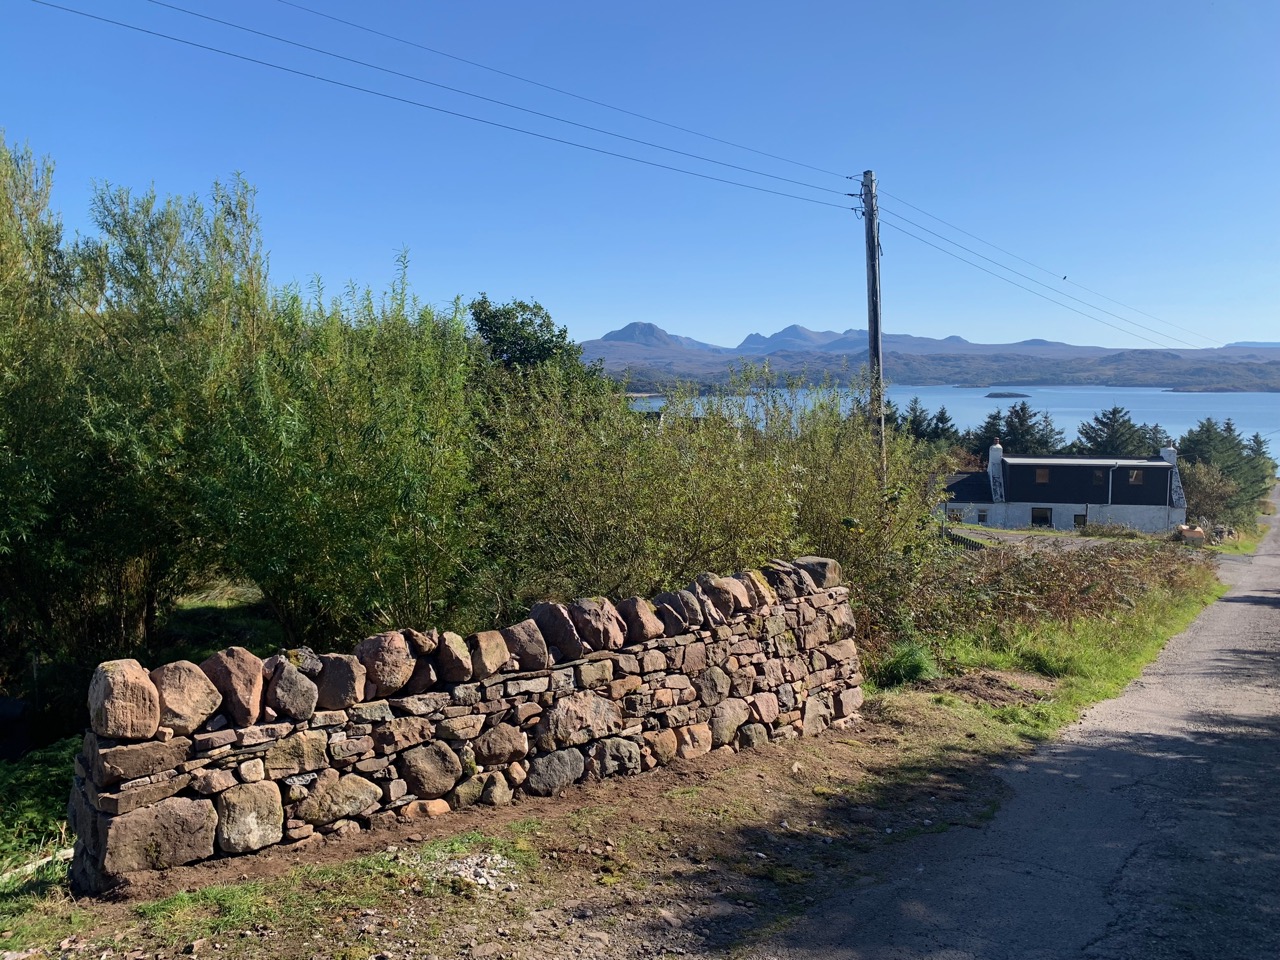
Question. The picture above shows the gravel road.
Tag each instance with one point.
(1151, 829)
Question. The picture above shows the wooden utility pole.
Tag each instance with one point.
(875, 352)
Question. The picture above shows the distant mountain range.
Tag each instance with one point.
(650, 358)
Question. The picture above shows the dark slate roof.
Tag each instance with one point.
(1061, 460)
(973, 487)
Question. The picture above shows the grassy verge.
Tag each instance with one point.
(1245, 545)
(1089, 660)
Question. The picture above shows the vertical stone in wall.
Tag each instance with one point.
(453, 659)
(527, 646)
(290, 693)
(557, 629)
(341, 683)
(643, 623)
(123, 702)
(237, 674)
(388, 662)
(187, 696)
(598, 623)
(489, 653)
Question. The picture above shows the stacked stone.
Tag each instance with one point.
(237, 753)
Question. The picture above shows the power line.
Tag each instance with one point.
(432, 107)
(1052, 273)
(1015, 283)
(502, 103)
(1024, 276)
(568, 93)
(547, 86)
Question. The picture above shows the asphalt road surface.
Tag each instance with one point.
(1151, 829)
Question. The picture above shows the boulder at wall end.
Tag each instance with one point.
(549, 773)
(187, 696)
(430, 770)
(341, 683)
(388, 662)
(166, 834)
(335, 800)
(598, 623)
(237, 674)
(527, 645)
(576, 719)
(250, 817)
(290, 693)
(123, 702)
(557, 629)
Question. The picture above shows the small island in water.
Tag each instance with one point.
(1007, 395)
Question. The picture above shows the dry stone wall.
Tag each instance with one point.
(187, 762)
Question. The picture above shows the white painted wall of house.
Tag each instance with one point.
(1017, 516)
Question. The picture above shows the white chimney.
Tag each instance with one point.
(994, 457)
(1169, 455)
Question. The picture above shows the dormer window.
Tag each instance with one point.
(1135, 478)
(1042, 474)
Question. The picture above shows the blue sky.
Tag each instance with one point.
(1132, 146)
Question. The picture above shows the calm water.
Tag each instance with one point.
(1070, 406)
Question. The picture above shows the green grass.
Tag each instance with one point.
(33, 804)
(34, 907)
(307, 896)
(909, 661)
(1091, 659)
(1246, 545)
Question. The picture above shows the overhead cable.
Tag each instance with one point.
(501, 103)
(1052, 273)
(427, 106)
(1024, 276)
(547, 86)
(1067, 306)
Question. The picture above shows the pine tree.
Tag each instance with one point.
(943, 429)
(1112, 433)
(916, 419)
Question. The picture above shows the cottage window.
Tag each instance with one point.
(1042, 516)
(1099, 477)
(982, 516)
(1042, 474)
(1135, 478)
(1081, 521)
(955, 516)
